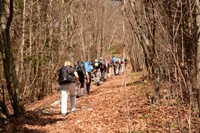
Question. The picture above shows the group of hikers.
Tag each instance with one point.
(77, 78)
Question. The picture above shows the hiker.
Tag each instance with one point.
(68, 80)
(123, 61)
(113, 58)
(88, 70)
(116, 66)
(109, 67)
(96, 71)
(103, 68)
(82, 73)
(92, 69)
(122, 64)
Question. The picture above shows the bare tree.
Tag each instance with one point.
(8, 60)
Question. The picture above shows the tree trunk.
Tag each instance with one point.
(82, 36)
(8, 61)
(22, 45)
(3, 106)
(198, 52)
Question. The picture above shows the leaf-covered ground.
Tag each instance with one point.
(105, 111)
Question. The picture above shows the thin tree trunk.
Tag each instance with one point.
(198, 52)
(23, 43)
(102, 31)
(83, 41)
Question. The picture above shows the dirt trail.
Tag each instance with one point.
(103, 111)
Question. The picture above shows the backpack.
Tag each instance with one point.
(103, 63)
(113, 60)
(116, 61)
(80, 68)
(66, 75)
(87, 66)
(96, 65)
(122, 60)
(108, 61)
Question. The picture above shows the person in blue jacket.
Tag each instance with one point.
(89, 70)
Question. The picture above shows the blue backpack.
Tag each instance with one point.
(113, 59)
(87, 66)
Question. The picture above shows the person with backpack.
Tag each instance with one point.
(89, 70)
(123, 63)
(96, 71)
(68, 80)
(116, 66)
(111, 65)
(108, 66)
(103, 68)
(82, 73)
(122, 67)
(113, 58)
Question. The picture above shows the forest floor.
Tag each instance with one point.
(105, 111)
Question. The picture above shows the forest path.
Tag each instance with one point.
(103, 111)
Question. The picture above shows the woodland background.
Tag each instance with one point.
(160, 37)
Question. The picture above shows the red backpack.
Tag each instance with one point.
(108, 61)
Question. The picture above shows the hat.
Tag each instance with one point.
(79, 61)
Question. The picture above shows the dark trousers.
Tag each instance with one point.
(81, 88)
(88, 84)
(103, 70)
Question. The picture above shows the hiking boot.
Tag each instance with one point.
(78, 96)
(98, 83)
(73, 112)
(64, 114)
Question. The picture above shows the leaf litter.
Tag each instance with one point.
(104, 111)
